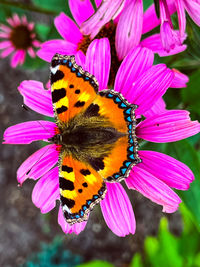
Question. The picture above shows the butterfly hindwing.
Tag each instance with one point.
(73, 89)
(81, 188)
(123, 156)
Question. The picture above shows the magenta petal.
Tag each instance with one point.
(150, 19)
(193, 9)
(107, 11)
(67, 28)
(98, 60)
(150, 86)
(171, 126)
(38, 163)
(152, 188)
(81, 10)
(27, 132)
(179, 80)
(117, 210)
(5, 44)
(158, 107)
(50, 48)
(171, 171)
(154, 43)
(70, 229)
(80, 59)
(133, 66)
(15, 60)
(46, 191)
(181, 16)
(36, 97)
(129, 28)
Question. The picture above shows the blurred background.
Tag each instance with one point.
(29, 238)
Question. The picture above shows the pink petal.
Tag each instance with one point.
(129, 28)
(173, 125)
(16, 58)
(181, 16)
(67, 28)
(11, 22)
(117, 210)
(4, 35)
(81, 10)
(150, 86)
(27, 132)
(5, 28)
(154, 43)
(70, 229)
(171, 171)
(22, 57)
(50, 48)
(154, 189)
(150, 19)
(36, 43)
(133, 66)
(193, 9)
(5, 44)
(38, 163)
(98, 60)
(36, 97)
(46, 191)
(16, 19)
(158, 107)
(106, 12)
(31, 52)
(80, 59)
(179, 80)
(24, 20)
(7, 51)
(169, 37)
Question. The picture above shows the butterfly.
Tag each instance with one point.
(96, 137)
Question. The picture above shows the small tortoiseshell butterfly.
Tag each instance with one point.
(96, 137)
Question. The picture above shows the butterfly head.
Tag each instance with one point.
(56, 139)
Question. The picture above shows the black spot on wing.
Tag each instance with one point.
(80, 190)
(57, 76)
(67, 201)
(77, 91)
(66, 184)
(79, 104)
(58, 94)
(97, 163)
(65, 168)
(85, 172)
(71, 86)
(85, 184)
(92, 110)
(62, 109)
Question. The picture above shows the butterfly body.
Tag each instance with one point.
(95, 134)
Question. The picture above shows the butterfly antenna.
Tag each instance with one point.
(25, 107)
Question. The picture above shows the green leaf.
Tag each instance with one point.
(186, 153)
(136, 261)
(164, 250)
(96, 263)
(42, 31)
(191, 94)
(51, 5)
(147, 3)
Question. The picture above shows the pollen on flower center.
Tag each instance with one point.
(108, 31)
(21, 37)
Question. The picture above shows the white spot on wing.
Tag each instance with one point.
(53, 70)
(65, 208)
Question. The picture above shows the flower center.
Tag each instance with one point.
(107, 31)
(21, 37)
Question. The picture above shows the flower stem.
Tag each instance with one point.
(27, 7)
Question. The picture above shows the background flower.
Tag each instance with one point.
(18, 38)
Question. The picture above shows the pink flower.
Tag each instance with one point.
(19, 38)
(124, 32)
(141, 83)
(169, 37)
